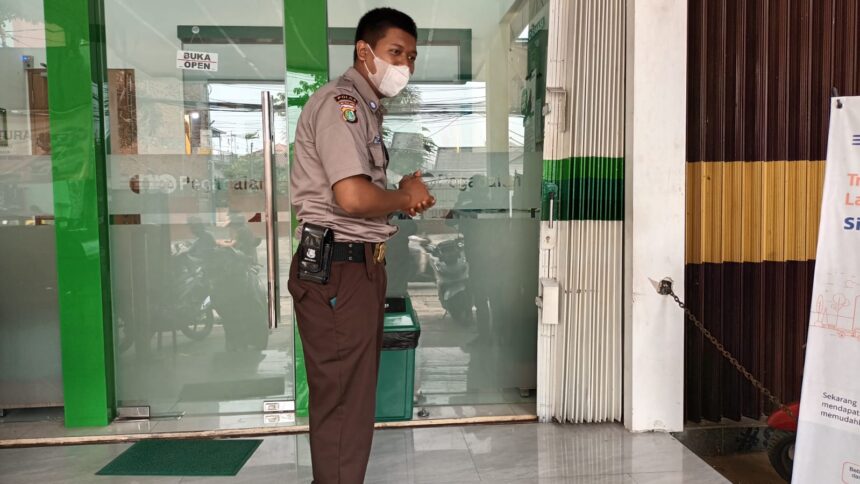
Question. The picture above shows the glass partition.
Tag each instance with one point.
(189, 247)
(30, 370)
(471, 120)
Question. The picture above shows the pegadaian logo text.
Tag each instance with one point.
(169, 184)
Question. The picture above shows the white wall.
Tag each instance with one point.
(654, 213)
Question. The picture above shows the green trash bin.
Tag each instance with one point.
(396, 381)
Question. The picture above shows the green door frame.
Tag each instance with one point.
(306, 34)
(74, 33)
(76, 54)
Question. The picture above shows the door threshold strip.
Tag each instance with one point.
(250, 432)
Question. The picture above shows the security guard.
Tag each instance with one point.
(339, 185)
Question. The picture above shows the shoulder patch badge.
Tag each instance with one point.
(347, 105)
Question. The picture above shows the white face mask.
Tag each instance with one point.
(389, 79)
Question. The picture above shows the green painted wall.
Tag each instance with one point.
(306, 34)
(586, 188)
(77, 93)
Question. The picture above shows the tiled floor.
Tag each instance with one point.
(752, 468)
(524, 453)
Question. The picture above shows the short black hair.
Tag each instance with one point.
(375, 23)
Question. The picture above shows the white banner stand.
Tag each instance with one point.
(828, 439)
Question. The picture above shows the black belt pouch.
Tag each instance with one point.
(315, 253)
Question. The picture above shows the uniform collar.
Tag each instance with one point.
(365, 89)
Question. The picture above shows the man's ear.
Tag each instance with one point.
(362, 50)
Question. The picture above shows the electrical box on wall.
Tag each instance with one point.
(27, 60)
(549, 301)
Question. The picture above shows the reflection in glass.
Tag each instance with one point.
(187, 206)
(30, 371)
(471, 121)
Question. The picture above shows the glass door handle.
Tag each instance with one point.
(271, 211)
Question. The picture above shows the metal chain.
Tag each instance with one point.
(728, 356)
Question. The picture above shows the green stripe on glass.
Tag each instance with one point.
(77, 96)
(584, 188)
(306, 35)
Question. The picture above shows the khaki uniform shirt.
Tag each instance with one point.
(339, 135)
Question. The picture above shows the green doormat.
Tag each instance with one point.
(182, 458)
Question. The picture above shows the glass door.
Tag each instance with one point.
(197, 176)
(471, 120)
(30, 367)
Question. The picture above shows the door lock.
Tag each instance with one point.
(665, 287)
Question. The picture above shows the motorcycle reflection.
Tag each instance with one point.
(209, 281)
(239, 298)
(238, 288)
(187, 303)
(447, 258)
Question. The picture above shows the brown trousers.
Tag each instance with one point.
(340, 324)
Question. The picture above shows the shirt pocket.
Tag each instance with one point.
(377, 155)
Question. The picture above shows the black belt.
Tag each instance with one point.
(348, 252)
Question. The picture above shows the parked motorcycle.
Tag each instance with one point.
(780, 446)
(451, 269)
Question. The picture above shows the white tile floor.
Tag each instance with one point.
(524, 453)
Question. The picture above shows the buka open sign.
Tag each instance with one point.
(196, 61)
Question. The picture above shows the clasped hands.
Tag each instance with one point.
(420, 198)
